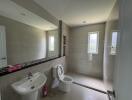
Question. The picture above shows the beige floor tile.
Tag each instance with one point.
(77, 93)
(88, 81)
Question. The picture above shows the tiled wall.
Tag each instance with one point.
(7, 80)
(79, 60)
(66, 32)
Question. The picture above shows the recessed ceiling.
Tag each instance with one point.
(76, 12)
(13, 11)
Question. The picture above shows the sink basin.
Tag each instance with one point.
(30, 86)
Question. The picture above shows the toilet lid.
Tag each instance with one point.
(60, 72)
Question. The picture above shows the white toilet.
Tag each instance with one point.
(65, 81)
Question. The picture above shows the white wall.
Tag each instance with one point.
(123, 75)
(79, 60)
(109, 60)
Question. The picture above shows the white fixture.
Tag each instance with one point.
(28, 88)
(65, 81)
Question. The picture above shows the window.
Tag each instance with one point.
(93, 42)
(51, 43)
(114, 43)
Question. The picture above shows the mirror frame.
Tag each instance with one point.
(5, 70)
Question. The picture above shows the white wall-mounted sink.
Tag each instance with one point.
(28, 88)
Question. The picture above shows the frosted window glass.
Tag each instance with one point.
(51, 43)
(93, 42)
(114, 43)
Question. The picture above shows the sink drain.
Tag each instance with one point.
(32, 87)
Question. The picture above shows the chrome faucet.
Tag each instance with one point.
(30, 75)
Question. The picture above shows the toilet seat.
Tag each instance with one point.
(62, 77)
(60, 72)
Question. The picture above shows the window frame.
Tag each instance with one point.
(97, 44)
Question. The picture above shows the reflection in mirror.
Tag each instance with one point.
(25, 37)
(52, 41)
(3, 56)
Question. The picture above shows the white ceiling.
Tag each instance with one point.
(13, 11)
(74, 12)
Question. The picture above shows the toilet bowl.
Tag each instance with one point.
(65, 81)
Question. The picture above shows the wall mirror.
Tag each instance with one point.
(26, 39)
